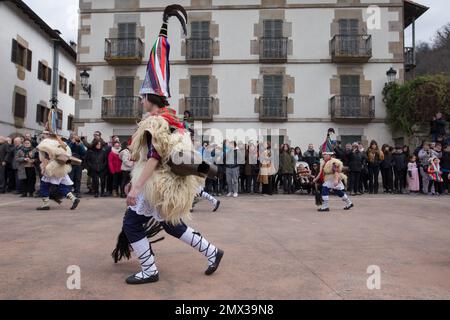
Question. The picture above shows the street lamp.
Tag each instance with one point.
(85, 82)
(391, 75)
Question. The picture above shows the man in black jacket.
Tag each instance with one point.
(355, 166)
(97, 163)
(437, 126)
(400, 166)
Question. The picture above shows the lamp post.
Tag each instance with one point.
(85, 82)
(391, 75)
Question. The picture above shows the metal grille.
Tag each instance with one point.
(352, 107)
(124, 48)
(121, 108)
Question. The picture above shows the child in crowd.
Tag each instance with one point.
(413, 175)
(127, 166)
(115, 167)
(435, 174)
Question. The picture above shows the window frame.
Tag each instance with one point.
(23, 114)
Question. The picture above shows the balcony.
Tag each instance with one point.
(121, 109)
(273, 109)
(199, 51)
(354, 108)
(352, 49)
(409, 59)
(200, 108)
(273, 50)
(124, 50)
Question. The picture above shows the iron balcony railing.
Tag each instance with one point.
(409, 58)
(273, 108)
(352, 107)
(121, 108)
(199, 50)
(273, 49)
(126, 50)
(201, 108)
(351, 48)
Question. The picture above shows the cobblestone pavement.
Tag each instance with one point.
(276, 247)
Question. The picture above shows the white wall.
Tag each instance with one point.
(309, 64)
(37, 90)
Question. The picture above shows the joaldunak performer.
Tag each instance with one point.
(56, 158)
(331, 176)
(161, 197)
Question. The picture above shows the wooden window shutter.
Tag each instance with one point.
(49, 75)
(40, 71)
(29, 59)
(19, 107)
(14, 51)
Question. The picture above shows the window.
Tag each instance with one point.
(21, 55)
(349, 30)
(199, 101)
(272, 100)
(349, 27)
(350, 139)
(273, 86)
(124, 96)
(124, 86)
(273, 28)
(71, 89)
(350, 96)
(127, 30)
(41, 114)
(274, 45)
(200, 30)
(199, 86)
(44, 73)
(70, 126)
(200, 43)
(126, 45)
(59, 119)
(19, 105)
(350, 85)
(62, 84)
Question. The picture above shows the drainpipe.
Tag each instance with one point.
(55, 80)
(414, 45)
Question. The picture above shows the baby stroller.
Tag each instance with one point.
(303, 178)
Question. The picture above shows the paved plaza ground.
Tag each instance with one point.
(275, 247)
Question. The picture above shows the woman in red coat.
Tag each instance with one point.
(115, 165)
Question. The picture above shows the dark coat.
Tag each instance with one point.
(399, 161)
(388, 161)
(97, 160)
(355, 161)
(445, 160)
(4, 149)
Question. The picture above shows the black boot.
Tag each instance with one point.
(216, 206)
(133, 280)
(75, 204)
(212, 268)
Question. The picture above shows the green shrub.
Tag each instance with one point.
(416, 101)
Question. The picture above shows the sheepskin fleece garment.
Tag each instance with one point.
(328, 169)
(49, 166)
(171, 195)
